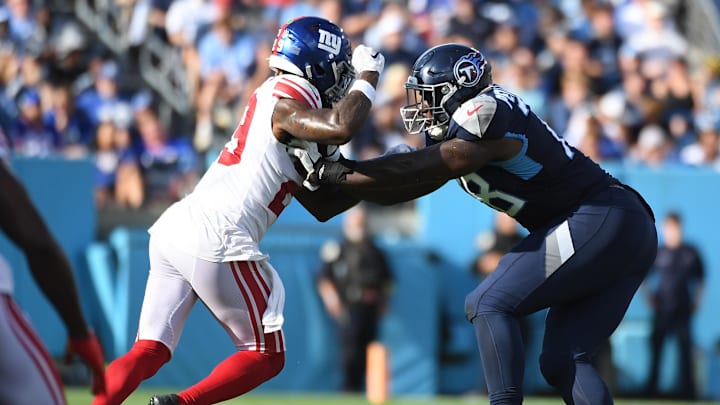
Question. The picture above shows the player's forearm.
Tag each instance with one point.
(53, 275)
(395, 194)
(397, 170)
(339, 124)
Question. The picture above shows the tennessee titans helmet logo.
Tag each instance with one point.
(469, 69)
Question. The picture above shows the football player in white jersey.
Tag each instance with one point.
(27, 373)
(206, 245)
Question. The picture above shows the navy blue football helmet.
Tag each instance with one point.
(441, 79)
(317, 50)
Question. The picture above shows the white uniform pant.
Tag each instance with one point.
(27, 373)
(236, 293)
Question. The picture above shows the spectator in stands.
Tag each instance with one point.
(652, 147)
(603, 45)
(8, 108)
(504, 40)
(72, 126)
(170, 165)
(354, 283)
(572, 109)
(24, 73)
(706, 150)
(522, 78)
(227, 59)
(104, 92)
(185, 22)
(615, 117)
(7, 44)
(22, 21)
(358, 16)
(681, 132)
(596, 144)
(391, 34)
(466, 21)
(67, 54)
(388, 128)
(708, 85)
(680, 276)
(504, 235)
(29, 134)
(658, 43)
(118, 175)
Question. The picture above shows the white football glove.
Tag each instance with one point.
(365, 58)
(308, 153)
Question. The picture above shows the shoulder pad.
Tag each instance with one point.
(297, 88)
(476, 114)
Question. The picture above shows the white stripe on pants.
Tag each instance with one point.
(27, 374)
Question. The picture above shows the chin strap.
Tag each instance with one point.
(437, 133)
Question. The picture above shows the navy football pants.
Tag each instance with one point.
(586, 270)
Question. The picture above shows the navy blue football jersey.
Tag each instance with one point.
(544, 181)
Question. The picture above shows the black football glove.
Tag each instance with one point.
(330, 172)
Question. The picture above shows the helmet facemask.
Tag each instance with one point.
(425, 109)
(344, 74)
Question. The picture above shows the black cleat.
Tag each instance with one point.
(170, 399)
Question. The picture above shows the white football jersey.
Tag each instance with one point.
(6, 279)
(245, 189)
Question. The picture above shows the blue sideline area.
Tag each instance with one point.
(432, 348)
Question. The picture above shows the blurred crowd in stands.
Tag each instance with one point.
(613, 77)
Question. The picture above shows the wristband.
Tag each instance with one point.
(364, 87)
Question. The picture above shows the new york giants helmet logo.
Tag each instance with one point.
(469, 69)
(329, 42)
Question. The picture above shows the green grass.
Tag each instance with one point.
(81, 396)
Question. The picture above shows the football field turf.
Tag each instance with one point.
(81, 396)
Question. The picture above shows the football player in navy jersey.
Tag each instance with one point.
(591, 238)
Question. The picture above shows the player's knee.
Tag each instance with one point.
(472, 301)
(478, 302)
(557, 367)
(153, 353)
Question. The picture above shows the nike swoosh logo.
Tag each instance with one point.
(375, 55)
(474, 110)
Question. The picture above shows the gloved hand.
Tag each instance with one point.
(91, 353)
(332, 172)
(365, 58)
(309, 153)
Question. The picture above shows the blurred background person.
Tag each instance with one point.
(170, 165)
(27, 374)
(354, 283)
(680, 275)
(30, 135)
